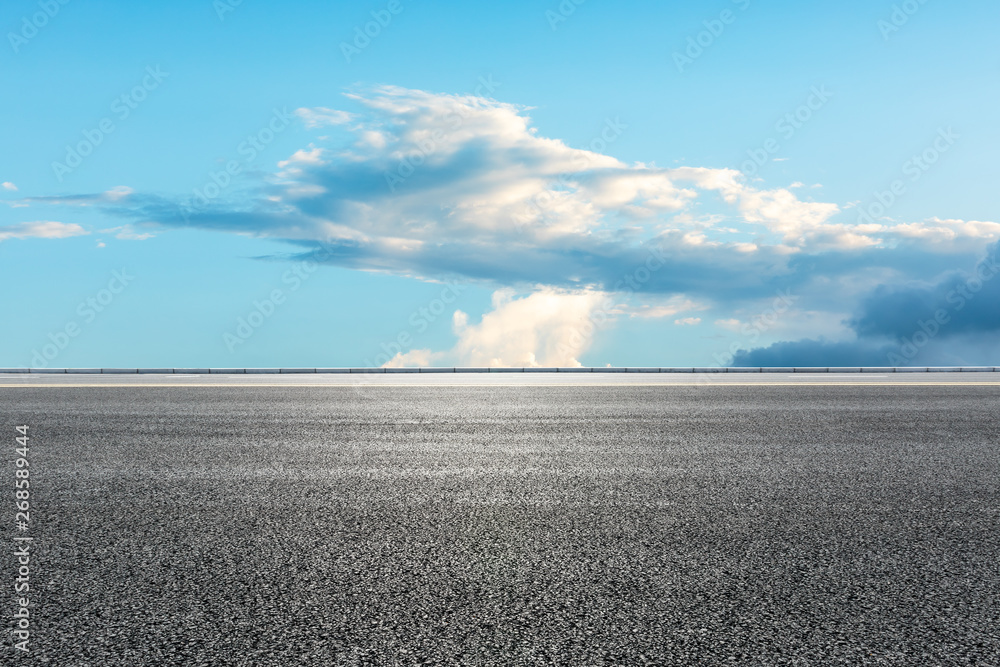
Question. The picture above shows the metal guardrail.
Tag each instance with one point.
(599, 369)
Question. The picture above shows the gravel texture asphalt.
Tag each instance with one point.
(770, 525)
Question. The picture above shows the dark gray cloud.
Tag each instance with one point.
(815, 353)
(959, 303)
(953, 321)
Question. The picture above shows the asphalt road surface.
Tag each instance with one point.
(508, 523)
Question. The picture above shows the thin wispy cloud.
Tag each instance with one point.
(41, 230)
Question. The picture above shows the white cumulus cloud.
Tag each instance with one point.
(546, 328)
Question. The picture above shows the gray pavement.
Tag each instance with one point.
(511, 520)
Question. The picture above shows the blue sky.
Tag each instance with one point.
(520, 183)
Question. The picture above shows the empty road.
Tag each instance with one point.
(507, 520)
